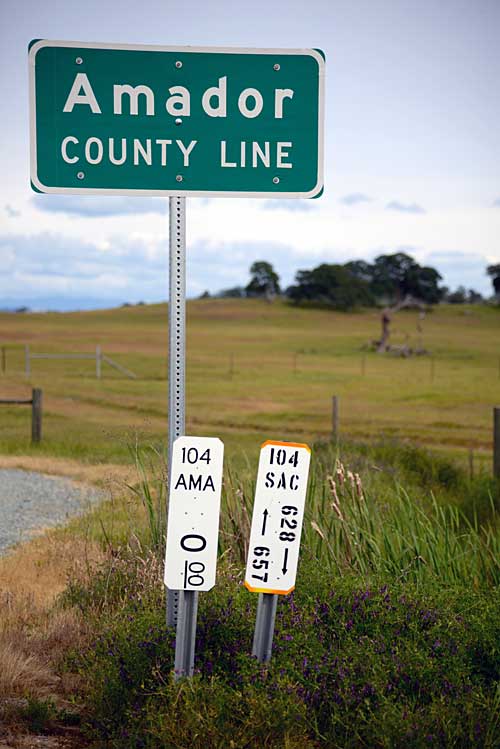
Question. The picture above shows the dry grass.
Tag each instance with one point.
(35, 634)
(102, 474)
(254, 370)
(16, 741)
(39, 569)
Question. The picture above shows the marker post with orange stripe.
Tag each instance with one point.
(274, 547)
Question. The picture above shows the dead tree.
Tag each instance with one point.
(382, 345)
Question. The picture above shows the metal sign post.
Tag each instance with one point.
(176, 349)
(186, 634)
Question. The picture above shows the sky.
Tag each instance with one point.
(412, 151)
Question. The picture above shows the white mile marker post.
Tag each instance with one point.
(192, 534)
(278, 514)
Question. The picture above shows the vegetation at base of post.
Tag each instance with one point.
(355, 663)
(391, 636)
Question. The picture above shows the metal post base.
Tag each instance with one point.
(172, 607)
(186, 634)
(264, 627)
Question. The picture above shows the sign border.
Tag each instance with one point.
(178, 442)
(247, 585)
(38, 44)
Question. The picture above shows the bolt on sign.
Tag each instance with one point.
(278, 513)
(193, 513)
(120, 119)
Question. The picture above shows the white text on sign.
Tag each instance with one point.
(277, 517)
(193, 513)
(135, 100)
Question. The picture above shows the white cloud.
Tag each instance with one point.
(95, 206)
(292, 205)
(355, 198)
(224, 236)
(461, 269)
(11, 212)
(395, 205)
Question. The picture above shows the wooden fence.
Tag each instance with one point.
(496, 437)
(99, 358)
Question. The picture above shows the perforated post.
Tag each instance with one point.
(186, 634)
(177, 349)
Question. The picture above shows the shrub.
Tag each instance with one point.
(353, 665)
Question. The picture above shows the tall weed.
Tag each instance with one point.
(376, 530)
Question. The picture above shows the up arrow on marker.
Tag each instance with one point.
(265, 513)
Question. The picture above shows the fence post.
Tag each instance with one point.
(335, 418)
(98, 362)
(4, 360)
(36, 415)
(496, 442)
(27, 363)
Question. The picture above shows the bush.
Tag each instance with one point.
(376, 665)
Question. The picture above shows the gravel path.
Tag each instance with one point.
(30, 501)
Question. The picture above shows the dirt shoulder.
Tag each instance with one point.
(101, 475)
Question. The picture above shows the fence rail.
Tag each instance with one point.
(98, 357)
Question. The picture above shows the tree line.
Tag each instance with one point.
(388, 280)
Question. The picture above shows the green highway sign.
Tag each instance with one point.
(118, 119)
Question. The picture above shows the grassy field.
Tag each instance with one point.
(254, 371)
(391, 637)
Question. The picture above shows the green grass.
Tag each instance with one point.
(254, 371)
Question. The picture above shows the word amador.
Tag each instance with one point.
(178, 104)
